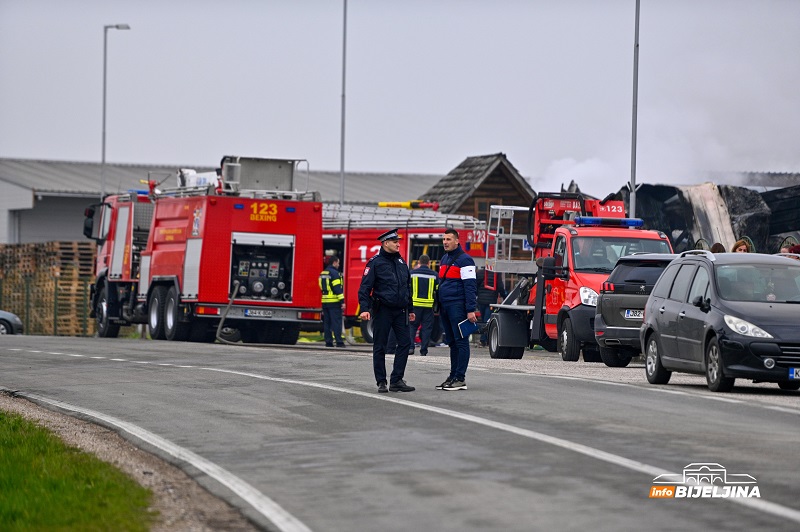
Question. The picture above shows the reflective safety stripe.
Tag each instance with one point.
(326, 286)
(424, 299)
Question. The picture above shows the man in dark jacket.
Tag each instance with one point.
(423, 288)
(457, 302)
(330, 283)
(488, 296)
(385, 297)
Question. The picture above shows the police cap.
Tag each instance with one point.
(389, 235)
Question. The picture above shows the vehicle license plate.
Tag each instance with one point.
(794, 373)
(632, 314)
(258, 313)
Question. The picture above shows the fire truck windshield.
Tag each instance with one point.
(599, 254)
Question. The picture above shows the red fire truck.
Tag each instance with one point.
(351, 233)
(570, 248)
(237, 245)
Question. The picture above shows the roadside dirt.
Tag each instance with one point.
(182, 504)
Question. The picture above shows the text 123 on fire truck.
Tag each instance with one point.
(570, 248)
(351, 232)
(238, 244)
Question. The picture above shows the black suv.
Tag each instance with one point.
(620, 305)
(728, 316)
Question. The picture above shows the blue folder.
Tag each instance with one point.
(466, 328)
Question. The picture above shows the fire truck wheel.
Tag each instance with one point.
(155, 313)
(174, 329)
(290, 335)
(497, 351)
(105, 329)
(366, 331)
(614, 358)
(568, 345)
(249, 334)
(591, 354)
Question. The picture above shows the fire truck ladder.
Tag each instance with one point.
(357, 216)
(508, 251)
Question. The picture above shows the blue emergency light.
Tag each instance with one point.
(608, 222)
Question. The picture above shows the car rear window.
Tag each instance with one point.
(638, 272)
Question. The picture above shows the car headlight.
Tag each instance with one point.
(745, 328)
(588, 296)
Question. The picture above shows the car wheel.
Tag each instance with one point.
(498, 351)
(5, 327)
(174, 329)
(568, 345)
(717, 382)
(656, 374)
(614, 358)
(789, 385)
(155, 313)
(105, 329)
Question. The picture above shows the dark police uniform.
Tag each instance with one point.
(330, 283)
(385, 293)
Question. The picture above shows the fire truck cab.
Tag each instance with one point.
(351, 233)
(568, 251)
(234, 245)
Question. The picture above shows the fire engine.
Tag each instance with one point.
(351, 233)
(237, 245)
(568, 251)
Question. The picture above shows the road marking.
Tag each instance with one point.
(79, 356)
(633, 465)
(282, 519)
(98, 358)
(118, 360)
(54, 353)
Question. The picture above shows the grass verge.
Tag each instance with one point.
(47, 485)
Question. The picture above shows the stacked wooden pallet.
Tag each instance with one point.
(47, 285)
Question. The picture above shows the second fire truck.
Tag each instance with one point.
(237, 244)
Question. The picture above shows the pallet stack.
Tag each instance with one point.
(47, 285)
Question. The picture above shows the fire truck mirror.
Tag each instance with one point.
(549, 271)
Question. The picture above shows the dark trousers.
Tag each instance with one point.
(452, 314)
(384, 320)
(424, 321)
(332, 322)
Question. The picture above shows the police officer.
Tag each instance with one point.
(385, 297)
(330, 283)
(423, 287)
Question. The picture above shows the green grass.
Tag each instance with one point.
(46, 485)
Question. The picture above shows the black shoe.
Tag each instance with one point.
(455, 385)
(423, 354)
(401, 386)
(382, 387)
(328, 345)
(340, 345)
(443, 385)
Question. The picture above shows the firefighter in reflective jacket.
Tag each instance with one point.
(424, 284)
(330, 283)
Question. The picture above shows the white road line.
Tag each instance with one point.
(282, 519)
(98, 358)
(119, 360)
(80, 356)
(653, 471)
(54, 353)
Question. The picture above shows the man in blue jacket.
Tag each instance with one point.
(457, 302)
(385, 297)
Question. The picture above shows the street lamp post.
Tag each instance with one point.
(105, 64)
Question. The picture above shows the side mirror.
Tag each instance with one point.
(548, 267)
(88, 227)
(702, 304)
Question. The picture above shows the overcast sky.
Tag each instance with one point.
(429, 82)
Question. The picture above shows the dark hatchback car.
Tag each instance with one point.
(10, 323)
(620, 305)
(728, 316)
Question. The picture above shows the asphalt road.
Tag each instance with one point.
(299, 439)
